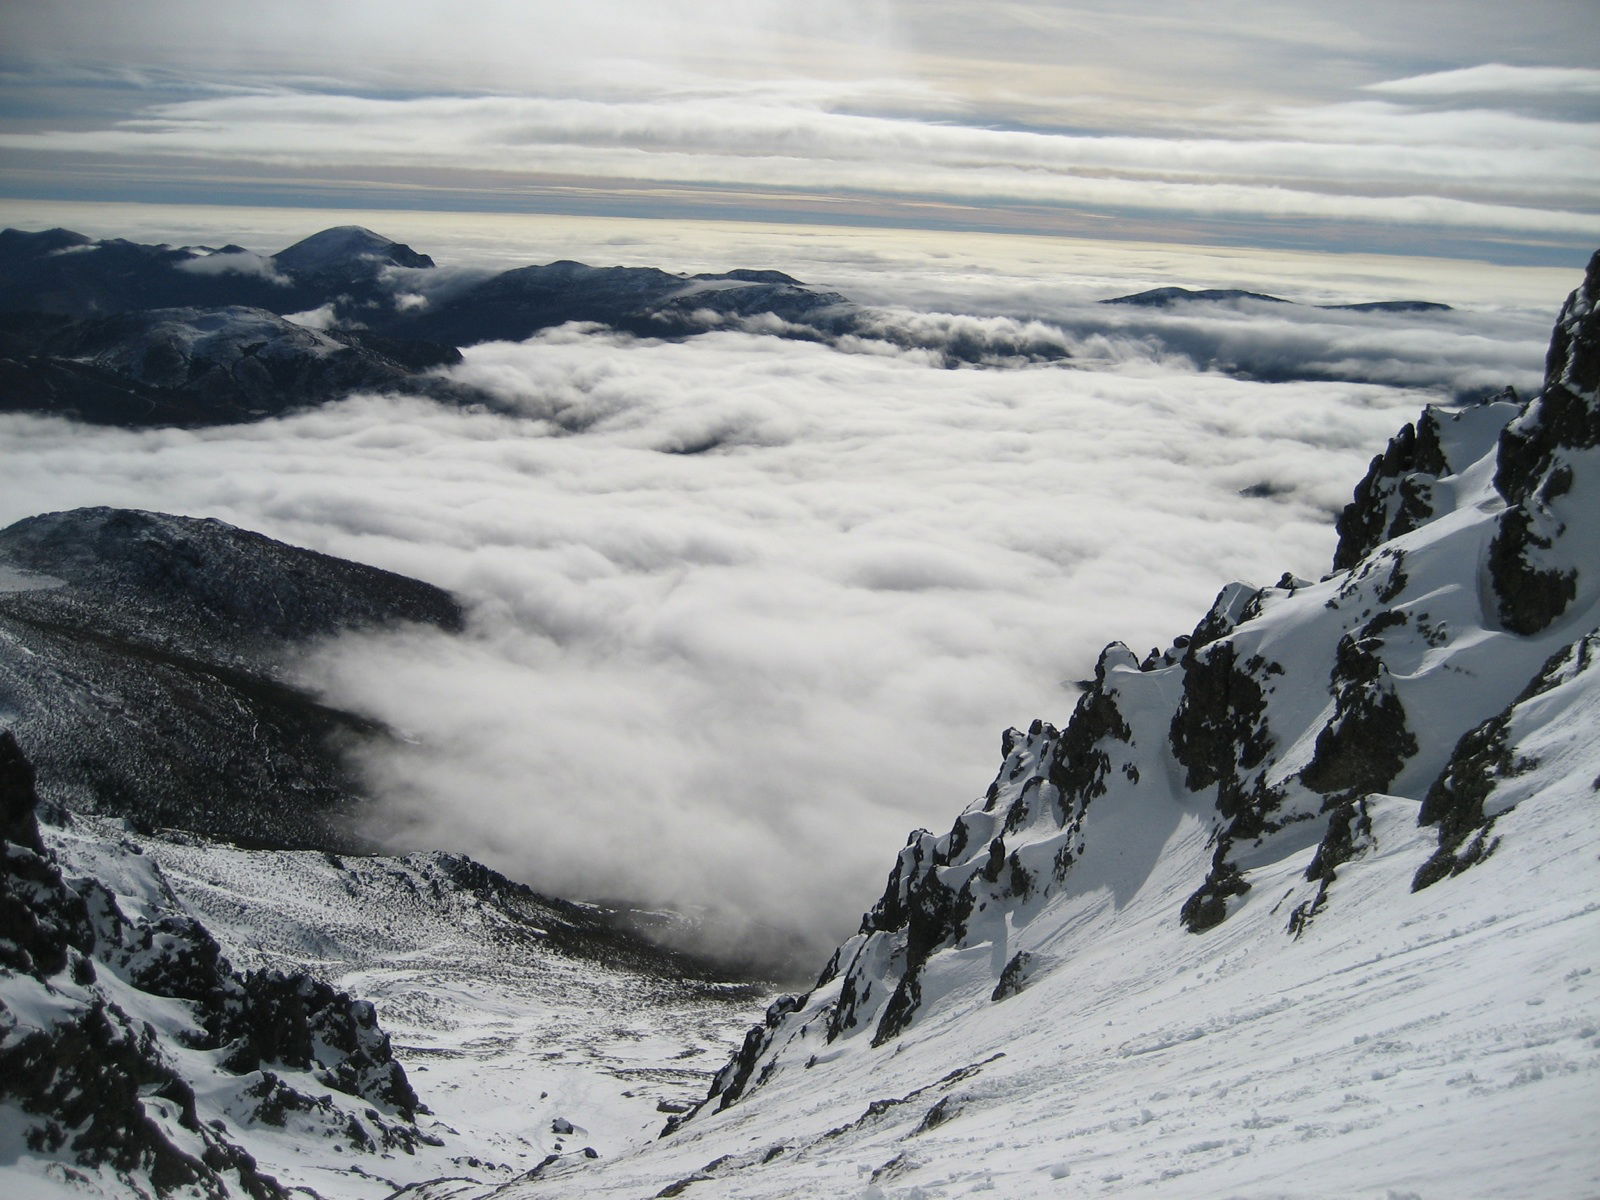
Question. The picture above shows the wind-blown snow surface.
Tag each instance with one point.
(731, 593)
(1449, 1047)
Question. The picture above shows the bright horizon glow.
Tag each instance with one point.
(960, 271)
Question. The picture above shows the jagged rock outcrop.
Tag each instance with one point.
(1479, 782)
(95, 1073)
(1536, 555)
(141, 655)
(1289, 724)
(1396, 495)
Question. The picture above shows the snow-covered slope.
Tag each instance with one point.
(1303, 905)
(133, 1056)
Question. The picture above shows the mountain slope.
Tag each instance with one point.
(140, 660)
(1311, 889)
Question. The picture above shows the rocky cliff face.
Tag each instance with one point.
(1445, 669)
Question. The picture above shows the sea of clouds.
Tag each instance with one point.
(746, 610)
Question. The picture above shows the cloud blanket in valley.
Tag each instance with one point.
(746, 610)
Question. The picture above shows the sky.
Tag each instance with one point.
(1466, 130)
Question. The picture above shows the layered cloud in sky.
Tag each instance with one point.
(1312, 124)
(746, 610)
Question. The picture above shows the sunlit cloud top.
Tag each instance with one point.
(1343, 126)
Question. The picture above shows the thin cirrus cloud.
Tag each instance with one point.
(1311, 119)
(745, 610)
(1496, 78)
(1546, 176)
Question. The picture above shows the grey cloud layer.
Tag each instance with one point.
(1306, 113)
(1356, 162)
(746, 610)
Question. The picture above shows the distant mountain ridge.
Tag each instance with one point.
(116, 332)
(1176, 297)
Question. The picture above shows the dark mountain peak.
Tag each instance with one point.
(44, 242)
(1390, 306)
(747, 275)
(344, 246)
(1168, 297)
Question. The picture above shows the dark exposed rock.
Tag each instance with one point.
(1014, 976)
(1218, 731)
(731, 1082)
(85, 1084)
(1393, 498)
(1079, 764)
(1483, 759)
(18, 799)
(1530, 597)
(1565, 414)
(1349, 833)
(1366, 743)
(1535, 579)
(1397, 493)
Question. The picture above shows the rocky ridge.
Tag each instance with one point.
(1408, 678)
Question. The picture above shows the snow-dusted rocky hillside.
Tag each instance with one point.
(1305, 904)
(183, 1017)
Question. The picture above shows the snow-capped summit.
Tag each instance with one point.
(344, 246)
